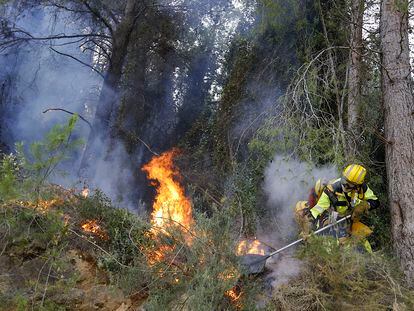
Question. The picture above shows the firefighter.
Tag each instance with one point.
(302, 208)
(344, 196)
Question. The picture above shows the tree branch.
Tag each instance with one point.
(98, 15)
(17, 40)
(72, 113)
(79, 61)
(136, 138)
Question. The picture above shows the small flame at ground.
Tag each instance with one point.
(234, 295)
(93, 227)
(251, 247)
(85, 192)
(42, 205)
(170, 201)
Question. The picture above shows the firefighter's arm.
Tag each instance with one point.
(322, 205)
(306, 228)
(371, 198)
(360, 210)
(370, 202)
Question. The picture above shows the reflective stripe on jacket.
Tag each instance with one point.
(343, 201)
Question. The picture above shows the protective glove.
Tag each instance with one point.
(306, 228)
(305, 235)
(359, 210)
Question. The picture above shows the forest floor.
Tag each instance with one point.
(76, 253)
(48, 261)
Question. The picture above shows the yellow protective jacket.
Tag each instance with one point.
(334, 197)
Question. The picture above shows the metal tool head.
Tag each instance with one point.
(253, 263)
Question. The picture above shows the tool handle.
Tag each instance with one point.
(300, 240)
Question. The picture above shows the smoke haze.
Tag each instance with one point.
(36, 78)
(286, 182)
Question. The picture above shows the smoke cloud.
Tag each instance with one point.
(37, 78)
(34, 78)
(286, 182)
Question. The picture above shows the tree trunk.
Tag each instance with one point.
(399, 128)
(108, 99)
(354, 75)
(340, 140)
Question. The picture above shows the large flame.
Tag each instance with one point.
(171, 205)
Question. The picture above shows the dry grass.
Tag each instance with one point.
(342, 278)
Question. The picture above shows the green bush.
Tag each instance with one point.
(23, 174)
(9, 184)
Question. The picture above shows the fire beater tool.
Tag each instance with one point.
(255, 263)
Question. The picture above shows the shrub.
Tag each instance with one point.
(342, 278)
(200, 269)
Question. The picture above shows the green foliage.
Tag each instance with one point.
(22, 175)
(275, 15)
(402, 6)
(200, 272)
(9, 169)
(34, 239)
(340, 277)
(45, 155)
(28, 233)
(126, 234)
(21, 303)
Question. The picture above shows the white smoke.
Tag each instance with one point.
(44, 79)
(286, 182)
(114, 176)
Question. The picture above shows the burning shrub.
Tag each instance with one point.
(192, 260)
(200, 275)
(93, 227)
(171, 206)
(126, 234)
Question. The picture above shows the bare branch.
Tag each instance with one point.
(79, 61)
(18, 40)
(72, 113)
(60, 36)
(133, 137)
(98, 15)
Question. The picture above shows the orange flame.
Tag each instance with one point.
(234, 295)
(42, 205)
(250, 247)
(93, 227)
(170, 201)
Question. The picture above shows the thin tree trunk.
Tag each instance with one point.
(108, 99)
(399, 127)
(339, 102)
(354, 85)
